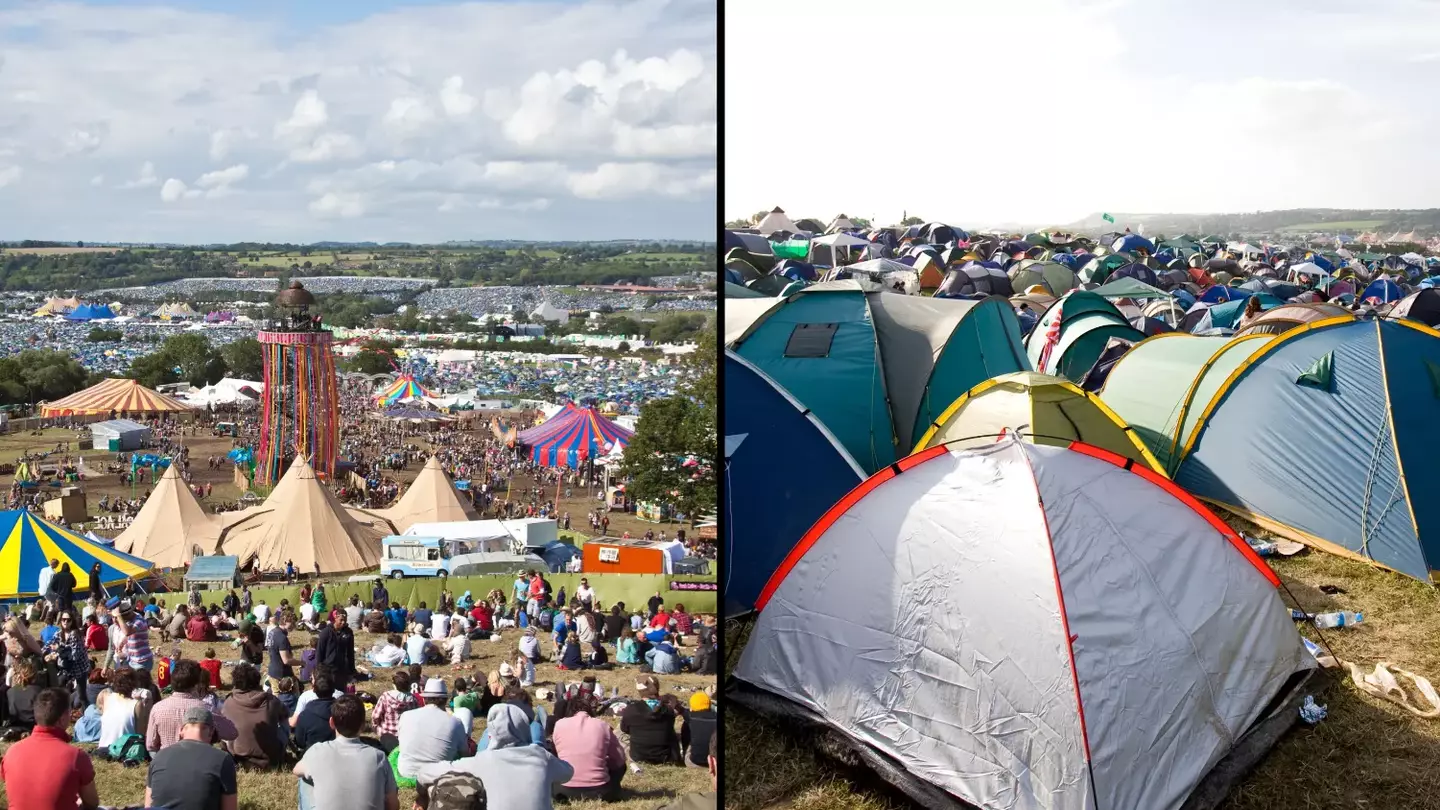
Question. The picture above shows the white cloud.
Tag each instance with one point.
(326, 147)
(500, 102)
(9, 174)
(342, 205)
(622, 180)
(308, 115)
(454, 98)
(146, 177)
(97, 180)
(172, 190)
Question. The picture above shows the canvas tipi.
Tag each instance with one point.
(431, 498)
(302, 521)
(1026, 626)
(171, 525)
(777, 221)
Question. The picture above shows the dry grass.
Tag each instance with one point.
(1366, 753)
(654, 786)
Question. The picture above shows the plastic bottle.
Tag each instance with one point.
(1300, 615)
(1343, 618)
(1263, 549)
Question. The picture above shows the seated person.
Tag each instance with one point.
(390, 653)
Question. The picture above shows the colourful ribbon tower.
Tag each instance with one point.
(301, 413)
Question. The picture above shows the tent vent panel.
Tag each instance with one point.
(811, 340)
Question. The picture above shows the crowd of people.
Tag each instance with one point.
(100, 675)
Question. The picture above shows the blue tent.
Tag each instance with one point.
(1326, 436)
(1383, 290)
(783, 471)
(1220, 293)
(875, 367)
(90, 312)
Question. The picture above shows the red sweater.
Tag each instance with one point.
(212, 666)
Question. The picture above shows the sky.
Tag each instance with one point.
(201, 121)
(1041, 112)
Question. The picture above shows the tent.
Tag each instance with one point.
(117, 395)
(1129, 287)
(1056, 278)
(90, 312)
(776, 222)
(1040, 408)
(57, 306)
(783, 470)
(1325, 436)
(1162, 384)
(28, 544)
(430, 498)
(572, 436)
(172, 527)
(1086, 322)
(1422, 306)
(834, 243)
(118, 434)
(403, 389)
(875, 367)
(1288, 316)
(1024, 626)
(304, 522)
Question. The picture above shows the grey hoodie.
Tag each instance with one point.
(516, 774)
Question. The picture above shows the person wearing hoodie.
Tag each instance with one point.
(260, 722)
(696, 730)
(517, 774)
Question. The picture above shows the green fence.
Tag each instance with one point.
(632, 589)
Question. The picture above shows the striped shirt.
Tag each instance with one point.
(137, 645)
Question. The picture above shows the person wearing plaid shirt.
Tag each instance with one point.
(168, 716)
(386, 714)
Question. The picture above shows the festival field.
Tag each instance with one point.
(12, 445)
(654, 786)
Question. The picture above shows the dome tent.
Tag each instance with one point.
(783, 470)
(1104, 644)
(1040, 408)
(875, 367)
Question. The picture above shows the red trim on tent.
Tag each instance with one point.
(826, 520)
(1189, 500)
(1064, 619)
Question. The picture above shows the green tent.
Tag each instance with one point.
(793, 249)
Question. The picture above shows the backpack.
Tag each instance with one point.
(128, 751)
(457, 790)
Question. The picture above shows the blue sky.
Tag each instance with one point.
(1040, 112)
(360, 120)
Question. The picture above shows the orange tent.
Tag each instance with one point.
(115, 394)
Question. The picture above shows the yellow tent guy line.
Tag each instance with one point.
(1269, 349)
(1189, 397)
(1394, 437)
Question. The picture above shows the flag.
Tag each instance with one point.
(1107, 218)
(1052, 337)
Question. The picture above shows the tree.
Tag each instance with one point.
(376, 357)
(624, 347)
(244, 359)
(100, 334)
(199, 363)
(757, 216)
(153, 370)
(655, 460)
(907, 221)
(545, 392)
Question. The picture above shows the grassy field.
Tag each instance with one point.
(656, 257)
(654, 786)
(1366, 753)
(1348, 225)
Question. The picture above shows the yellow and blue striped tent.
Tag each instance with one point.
(28, 544)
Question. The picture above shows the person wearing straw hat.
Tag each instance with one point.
(430, 734)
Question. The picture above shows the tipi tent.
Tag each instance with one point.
(115, 394)
(172, 525)
(431, 498)
(1024, 626)
(304, 522)
(28, 544)
(783, 470)
(549, 312)
(1040, 408)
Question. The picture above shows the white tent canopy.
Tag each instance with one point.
(775, 222)
(835, 241)
(1026, 626)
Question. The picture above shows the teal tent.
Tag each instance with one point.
(875, 367)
